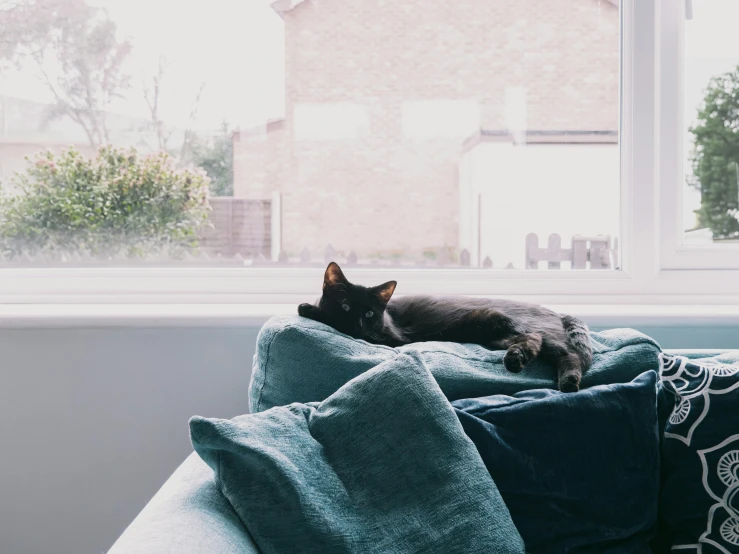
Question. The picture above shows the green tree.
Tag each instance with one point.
(715, 158)
(118, 203)
(215, 156)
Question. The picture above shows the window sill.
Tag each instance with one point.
(254, 315)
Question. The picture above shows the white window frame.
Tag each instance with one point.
(651, 272)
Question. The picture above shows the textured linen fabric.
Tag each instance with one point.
(578, 472)
(382, 466)
(301, 360)
(188, 515)
(699, 508)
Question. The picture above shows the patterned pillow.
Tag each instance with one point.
(700, 491)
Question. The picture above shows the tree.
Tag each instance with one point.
(153, 101)
(78, 55)
(26, 25)
(715, 159)
(215, 156)
(164, 132)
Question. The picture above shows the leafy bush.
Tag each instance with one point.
(118, 203)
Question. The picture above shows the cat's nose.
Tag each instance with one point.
(361, 323)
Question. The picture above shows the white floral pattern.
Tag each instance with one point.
(693, 385)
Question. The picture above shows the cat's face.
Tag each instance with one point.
(354, 310)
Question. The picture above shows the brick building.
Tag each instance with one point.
(381, 95)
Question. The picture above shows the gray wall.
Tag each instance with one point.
(93, 421)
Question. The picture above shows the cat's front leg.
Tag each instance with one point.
(306, 310)
(312, 312)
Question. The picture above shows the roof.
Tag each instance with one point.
(259, 130)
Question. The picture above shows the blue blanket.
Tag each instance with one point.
(381, 466)
(301, 360)
(579, 472)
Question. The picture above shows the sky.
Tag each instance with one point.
(234, 47)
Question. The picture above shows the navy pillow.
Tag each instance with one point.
(699, 507)
(578, 472)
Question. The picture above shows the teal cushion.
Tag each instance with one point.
(301, 360)
(382, 466)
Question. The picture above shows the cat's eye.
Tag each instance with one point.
(369, 314)
(346, 307)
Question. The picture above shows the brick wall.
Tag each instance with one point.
(383, 191)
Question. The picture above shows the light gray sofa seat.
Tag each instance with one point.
(188, 515)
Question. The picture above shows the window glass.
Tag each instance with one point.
(230, 133)
(711, 116)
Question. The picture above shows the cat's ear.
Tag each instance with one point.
(385, 291)
(333, 276)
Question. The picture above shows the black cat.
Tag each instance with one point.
(524, 330)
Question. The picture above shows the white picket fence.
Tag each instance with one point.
(600, 252)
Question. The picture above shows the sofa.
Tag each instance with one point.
(190, 514)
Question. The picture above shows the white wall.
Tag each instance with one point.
(93, 421)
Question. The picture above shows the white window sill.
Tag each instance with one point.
(254, 315)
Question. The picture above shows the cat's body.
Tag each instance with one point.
(525, 331)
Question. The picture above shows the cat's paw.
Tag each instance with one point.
(515, 359)
(304, 310)
(569, 382)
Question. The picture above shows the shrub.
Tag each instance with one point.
(117, 203)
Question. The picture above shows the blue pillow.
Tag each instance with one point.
(700, 493)
(578, 472)
(380, 466)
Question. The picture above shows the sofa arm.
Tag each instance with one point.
(188, 515)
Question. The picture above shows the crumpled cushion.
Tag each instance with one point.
(578, 472)
(301, 360)
(382, 466)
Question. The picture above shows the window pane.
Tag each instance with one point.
(232, 133)
(711, 85)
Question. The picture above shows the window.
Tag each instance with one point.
(700, 196)
(711, 83)
(357, 118)
(429, 119)
(333, 121)
(470, 147)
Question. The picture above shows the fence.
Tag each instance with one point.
(600, 252)
(238, 226)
